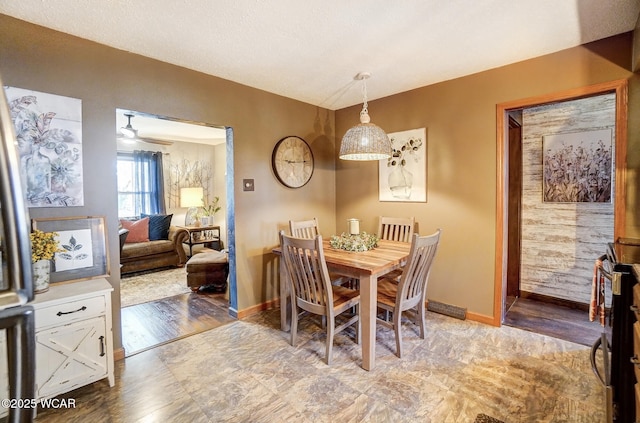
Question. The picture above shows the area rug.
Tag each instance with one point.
(483, 418)
(152, 286)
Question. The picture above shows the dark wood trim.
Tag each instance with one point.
(514, 205)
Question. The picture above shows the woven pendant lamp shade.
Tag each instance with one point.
(365, 141)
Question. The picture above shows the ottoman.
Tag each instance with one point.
(209, 268)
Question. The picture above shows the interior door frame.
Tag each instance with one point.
(620, 88)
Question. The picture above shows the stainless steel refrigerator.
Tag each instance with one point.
(16, 284)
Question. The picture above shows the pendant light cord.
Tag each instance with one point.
(364, 114)
(365, 105)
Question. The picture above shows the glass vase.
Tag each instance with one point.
(400, 182)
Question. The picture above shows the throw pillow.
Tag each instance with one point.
(138, 230)
(158, 225)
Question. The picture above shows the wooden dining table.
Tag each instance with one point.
(366, 266)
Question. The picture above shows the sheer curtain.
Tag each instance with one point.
(148, 182)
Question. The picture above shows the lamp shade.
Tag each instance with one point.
(191, 197)
(365, 141)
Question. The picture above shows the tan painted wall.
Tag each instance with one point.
(105, 79)
(460, 118)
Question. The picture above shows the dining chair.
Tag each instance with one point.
(312, 290)
(396, 228)
(304, 228)
(309, 229)
(410, 293)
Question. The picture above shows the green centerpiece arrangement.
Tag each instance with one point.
(360, 242)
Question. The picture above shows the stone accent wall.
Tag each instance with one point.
(560, 241)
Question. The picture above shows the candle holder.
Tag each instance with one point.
(353, 226)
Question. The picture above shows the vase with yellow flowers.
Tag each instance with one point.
(44, 246)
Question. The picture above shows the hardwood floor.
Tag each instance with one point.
(148, 325)
(554, 320)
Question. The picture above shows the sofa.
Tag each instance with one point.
(140, 252)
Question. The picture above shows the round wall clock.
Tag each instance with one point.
(292, 161)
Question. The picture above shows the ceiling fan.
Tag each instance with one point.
(130, 134)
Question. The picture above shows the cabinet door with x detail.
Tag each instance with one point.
(70, 356)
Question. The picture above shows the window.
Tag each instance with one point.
(140, 186)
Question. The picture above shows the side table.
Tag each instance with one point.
(199, 235)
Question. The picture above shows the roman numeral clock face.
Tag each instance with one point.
(292, 162)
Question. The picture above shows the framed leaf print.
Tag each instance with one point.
(83, 247)
(403, 177)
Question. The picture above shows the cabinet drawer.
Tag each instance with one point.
(70, 312)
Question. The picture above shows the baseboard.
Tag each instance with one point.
(118, 354)
(258, 308)
(553, 300)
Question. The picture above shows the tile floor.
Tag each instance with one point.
(246, 371)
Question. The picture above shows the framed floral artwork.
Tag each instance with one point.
(49, 138)
(83, 250)
(403, 176)
(577, 167)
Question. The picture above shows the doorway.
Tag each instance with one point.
(509, 217)
(193, 155)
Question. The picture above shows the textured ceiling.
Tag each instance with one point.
(311, 50)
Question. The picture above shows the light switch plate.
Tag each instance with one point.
(247, 185)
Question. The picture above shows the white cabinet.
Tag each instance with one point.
(74, 338)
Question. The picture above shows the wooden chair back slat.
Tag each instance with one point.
(396, 228)
(304, 228)
(413, 282)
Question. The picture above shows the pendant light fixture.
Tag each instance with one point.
(365, 141)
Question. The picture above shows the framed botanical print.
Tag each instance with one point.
(83, 247)
(49, 140)
(403, 177)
